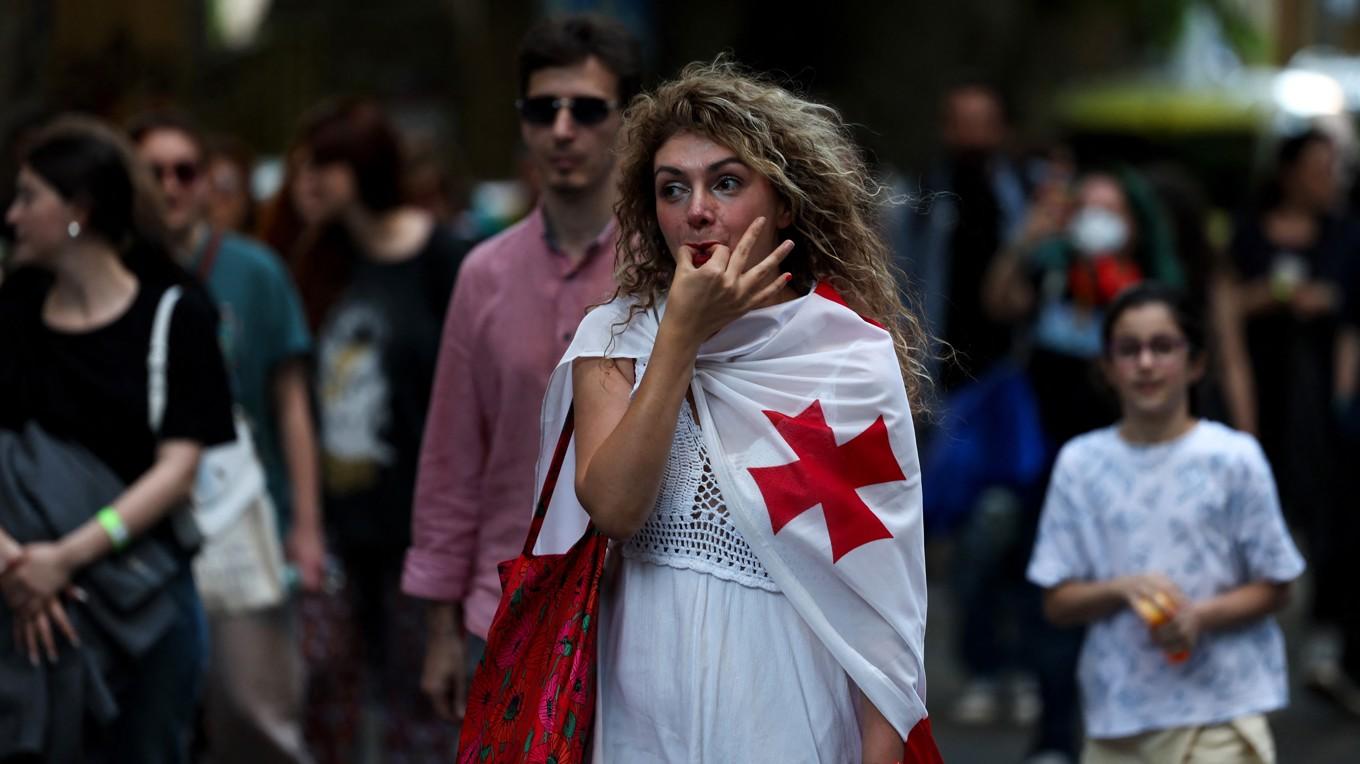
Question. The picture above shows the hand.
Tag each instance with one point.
(1180, 634)
(1048, 215)
(11, 554)
(444, 677)
(33, 631)
(1313, 298)
(306, 549)
(704, 299)
(1151, 587)
(37, 578)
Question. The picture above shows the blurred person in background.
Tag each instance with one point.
(974, 201)
(1081, 244)
(1341, 682)
(78, 315)
(376, 284)
(1291, 253)
(255, 681)
(1164, 533)
(227, 169)
(576, 74)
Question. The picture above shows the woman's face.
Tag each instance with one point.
(1314, 180)
(1149, 363)
(40, 217)
(321, 192)
(707, 196)
(1101, 197)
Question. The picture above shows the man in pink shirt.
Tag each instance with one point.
(516, 305)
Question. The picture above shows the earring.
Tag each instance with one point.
(73, 229)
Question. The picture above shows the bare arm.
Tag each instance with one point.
(621, 445)
(1229, 610)
(1347, 375)
(880, 743)
(47, 567)
(1007, 295)
(306, 545)
(1234, 366)
(1077, 602)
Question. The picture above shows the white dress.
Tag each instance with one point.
(701, 658)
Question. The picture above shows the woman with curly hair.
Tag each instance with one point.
(743, 434)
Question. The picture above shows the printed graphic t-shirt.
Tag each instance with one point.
(376, 356)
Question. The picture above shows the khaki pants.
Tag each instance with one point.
(1245, 740)
(254, 692)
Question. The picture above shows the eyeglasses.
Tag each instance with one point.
(585, 110)
(1162, 347)
(184, 172)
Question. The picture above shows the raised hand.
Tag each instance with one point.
(712, 289)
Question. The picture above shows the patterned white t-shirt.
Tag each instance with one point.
(1201, 510)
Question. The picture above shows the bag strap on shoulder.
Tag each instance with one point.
(550, 482)
(158, 358)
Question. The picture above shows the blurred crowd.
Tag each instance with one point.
(370, 357)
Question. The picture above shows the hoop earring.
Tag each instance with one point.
(73, 229)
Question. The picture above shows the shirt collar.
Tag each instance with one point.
(602, 241)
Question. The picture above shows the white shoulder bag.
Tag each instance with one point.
(240, 566)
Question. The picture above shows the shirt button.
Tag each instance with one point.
(566, 336)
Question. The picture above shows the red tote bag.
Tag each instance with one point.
(532, 698)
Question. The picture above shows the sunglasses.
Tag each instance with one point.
(585, 110)
(184, 172)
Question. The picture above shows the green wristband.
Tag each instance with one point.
(112, 523)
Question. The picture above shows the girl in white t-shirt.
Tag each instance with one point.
(1164, 534)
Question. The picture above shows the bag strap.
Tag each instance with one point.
(550, 482)
(158, 357)
(209, 257)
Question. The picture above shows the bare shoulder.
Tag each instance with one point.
(595, 375)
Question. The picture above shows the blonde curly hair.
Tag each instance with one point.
(806, 151)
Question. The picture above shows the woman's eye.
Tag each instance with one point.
(671, 191)
(727, 183)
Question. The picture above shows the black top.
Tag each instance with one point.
(91, 387)
(1291, 357)
(376, 357)
(973, 247)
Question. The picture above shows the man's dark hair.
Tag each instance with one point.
(142, 125)
(570, 40)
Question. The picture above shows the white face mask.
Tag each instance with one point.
(1097, 231)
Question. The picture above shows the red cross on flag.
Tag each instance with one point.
(806, 422)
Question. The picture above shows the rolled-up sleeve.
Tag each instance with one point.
(440, 563)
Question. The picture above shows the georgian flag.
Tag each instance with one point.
(807, 422)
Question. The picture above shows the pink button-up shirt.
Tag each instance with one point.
(515, 308)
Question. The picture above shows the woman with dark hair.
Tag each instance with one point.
(375, 275)
(78, 324)
(1291, 254)
(1163, 533)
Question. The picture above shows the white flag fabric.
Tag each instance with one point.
(806, 419)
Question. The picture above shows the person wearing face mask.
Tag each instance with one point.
(1078, 248)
